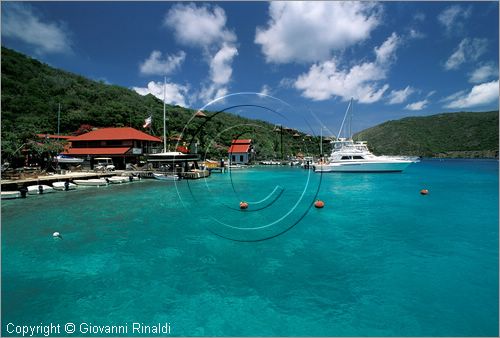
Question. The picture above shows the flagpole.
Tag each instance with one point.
(164, 116)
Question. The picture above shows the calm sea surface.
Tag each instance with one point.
(379, 260)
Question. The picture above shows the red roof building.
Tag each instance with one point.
(240, 151)
(113, 134)
(118, 143)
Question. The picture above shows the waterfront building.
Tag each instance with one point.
(240, 151)
(122, 145)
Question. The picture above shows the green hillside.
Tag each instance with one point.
(442, 135)
(32, 91)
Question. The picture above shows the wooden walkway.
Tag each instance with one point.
(9, 185)
(12, 185)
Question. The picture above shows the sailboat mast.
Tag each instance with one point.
(321, 142)
(344, 120)
(164, 116)
(350, 122)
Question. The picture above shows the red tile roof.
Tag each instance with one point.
(245, 141)
(96, 151)
(239, 148)
(125, 133)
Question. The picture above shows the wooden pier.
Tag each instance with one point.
(11, 185)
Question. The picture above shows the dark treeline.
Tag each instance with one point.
(32, 92)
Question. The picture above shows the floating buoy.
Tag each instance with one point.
(57, 235)
(319, 204)
(243, 205)
(424, 192)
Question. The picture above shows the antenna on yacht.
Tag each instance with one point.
(343, 121)
(350, 121)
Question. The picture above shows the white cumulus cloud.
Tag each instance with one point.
(419, 105)
(20, 21)
(400, 96)
(451, 18)
(199, 25)
(326, 79)
(467, 50)
(220, 65)
(479, 95)
(174, 93)
(154, 65)
(300, 31)
(204, 26)
(483, 73)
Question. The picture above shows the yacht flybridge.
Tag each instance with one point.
(353, 156)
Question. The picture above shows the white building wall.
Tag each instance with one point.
(238, 158)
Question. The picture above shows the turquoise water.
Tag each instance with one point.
(379, 260)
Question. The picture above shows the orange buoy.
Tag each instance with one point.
(319, 204)
(424, 192)
(243, 205)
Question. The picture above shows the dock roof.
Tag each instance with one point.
(125, 133)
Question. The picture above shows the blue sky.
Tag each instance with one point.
(396, 59)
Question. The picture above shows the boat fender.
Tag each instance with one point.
(319, 204)
(424, 192)
(57, 235)
(40, 189)
(66, 185)
(243, 205)
(130, 178)
(107, 180)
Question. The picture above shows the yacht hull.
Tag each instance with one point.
(363, 167)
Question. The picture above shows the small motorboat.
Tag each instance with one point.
(117, 179)
(93, 182)
(235, 167)
(165, 177)
(8, 195)
(67, 159)
(62, 186)
(40, 189)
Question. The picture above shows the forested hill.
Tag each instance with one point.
(443, 135)
(32, 91)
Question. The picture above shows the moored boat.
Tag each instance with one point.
(67, 159)
(93, 182)
(117, 179)
(353, 156)
(165, 177)
(235, 166)
(64, 186)
(39, 189)
(7, 195)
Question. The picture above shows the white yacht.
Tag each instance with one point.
(353, 156)
(350, 156)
